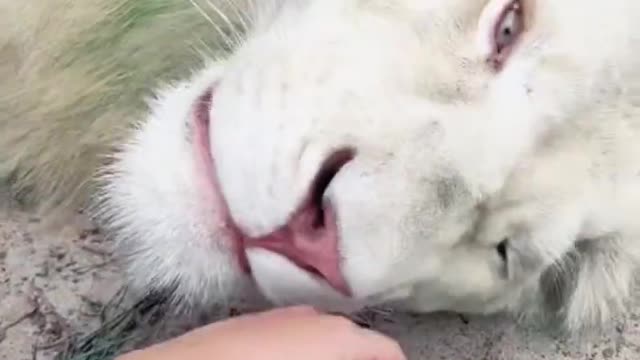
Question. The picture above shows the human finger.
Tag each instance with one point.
(372, 345)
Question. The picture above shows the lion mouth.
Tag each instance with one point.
(309, 240)
(225, 225)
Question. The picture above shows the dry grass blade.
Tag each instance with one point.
(121, 330)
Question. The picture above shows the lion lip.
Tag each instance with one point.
(226, 227)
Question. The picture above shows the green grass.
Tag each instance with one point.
(140, 45)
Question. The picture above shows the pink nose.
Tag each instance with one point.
(310, 238)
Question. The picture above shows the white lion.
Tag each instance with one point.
(466, 155)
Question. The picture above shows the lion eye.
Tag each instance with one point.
(507, 30)
(502, 249)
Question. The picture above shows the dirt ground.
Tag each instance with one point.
(53, 283)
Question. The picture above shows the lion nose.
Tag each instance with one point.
(310, 238)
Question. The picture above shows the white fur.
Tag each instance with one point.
(443, 144)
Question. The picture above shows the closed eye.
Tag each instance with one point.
(501, 248)
(503, 252)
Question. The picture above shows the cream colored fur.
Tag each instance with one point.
(452, 157)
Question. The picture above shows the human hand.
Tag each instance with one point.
(294, 333)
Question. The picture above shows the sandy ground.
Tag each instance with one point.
(53, 282)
